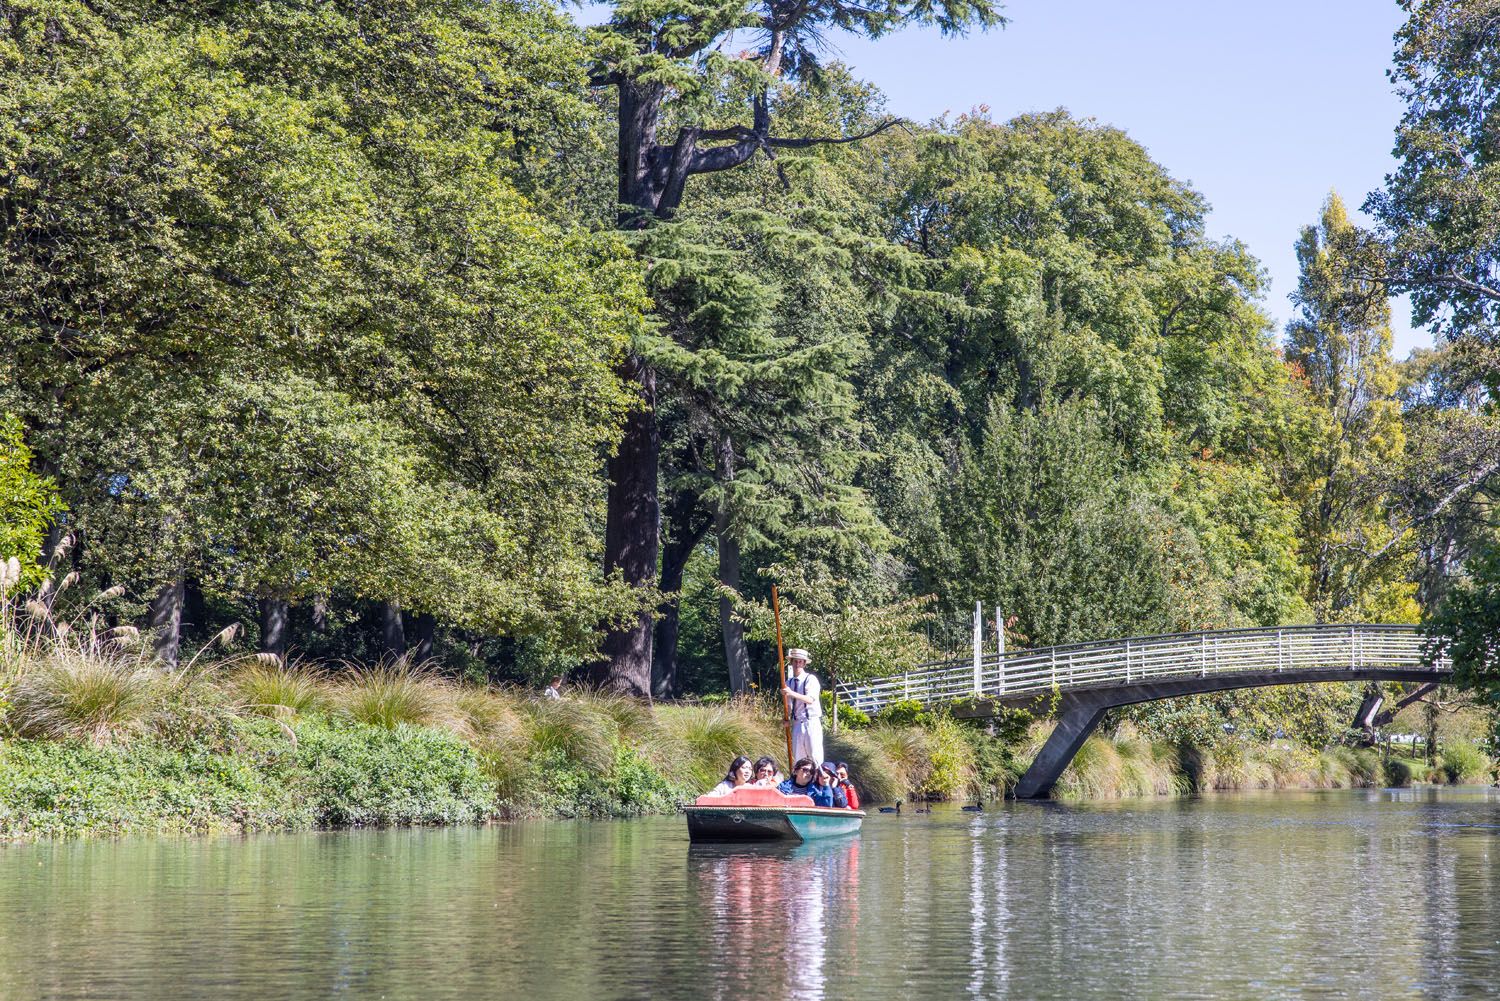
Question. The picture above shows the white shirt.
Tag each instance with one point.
(807, 685)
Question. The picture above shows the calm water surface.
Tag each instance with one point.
(1291, 895)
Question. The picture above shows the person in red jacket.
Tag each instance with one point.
(847, 786)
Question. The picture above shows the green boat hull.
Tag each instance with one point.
(766, 823)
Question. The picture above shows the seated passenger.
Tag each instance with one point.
(802, 782)
(827, 791)
(847, 786)
(766, 773)
(740, 773)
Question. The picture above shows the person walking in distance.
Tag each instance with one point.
(807, 708)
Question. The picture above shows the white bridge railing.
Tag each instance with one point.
(1112, 663)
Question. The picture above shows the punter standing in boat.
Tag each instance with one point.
(807, 709)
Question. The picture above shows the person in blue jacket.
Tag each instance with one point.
(802, 781)
(827, 791)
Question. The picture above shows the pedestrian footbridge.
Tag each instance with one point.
(1091, 678)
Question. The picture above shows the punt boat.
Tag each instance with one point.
(761, 814)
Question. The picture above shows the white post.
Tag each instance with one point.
(978, 646)
(1000, 646)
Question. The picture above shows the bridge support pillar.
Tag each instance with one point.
(1073, 727)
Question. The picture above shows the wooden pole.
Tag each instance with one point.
(786, 700)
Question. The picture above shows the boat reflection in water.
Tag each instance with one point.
(767, 910)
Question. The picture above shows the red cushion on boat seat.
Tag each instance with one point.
(754, 796)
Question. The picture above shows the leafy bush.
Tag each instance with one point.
(1397, 773)
(904, 712)
(848, 716)
(363, 775)
(70, 788)
(1463, 762)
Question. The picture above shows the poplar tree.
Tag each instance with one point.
(1340, 342)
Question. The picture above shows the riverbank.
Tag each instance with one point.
(95, 746)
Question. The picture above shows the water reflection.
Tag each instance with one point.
(1386, 894)
(768, 910)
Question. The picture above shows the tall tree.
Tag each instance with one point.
(1340, 342)
(665, 62)
(263, 267)
(1440, 208)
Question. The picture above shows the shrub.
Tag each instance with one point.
(70, 788)
(390, 696)
(1463, 762)
(278, 690)
(848, 716)
(904, 712)
(75, 695)
(360, 775)
(1397, 773)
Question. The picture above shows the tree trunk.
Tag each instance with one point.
(735, 655)
(687, 526)
(632, 535)
(320, 614)
(392, 631)
(423, 630)
(638, 112)
(275, 625)
(164, 618)
(194, 609)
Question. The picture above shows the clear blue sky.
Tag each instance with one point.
(1262, 107)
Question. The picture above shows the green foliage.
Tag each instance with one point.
(330, 775)
(847, 714)
(1463, 762)
(253, 290)
(28, 506)
(1340, 344)
(1440, 210)
(1398, 773)
(378, 775)
(906, 712)
(1465, 626)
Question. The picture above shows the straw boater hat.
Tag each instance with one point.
(797, 653)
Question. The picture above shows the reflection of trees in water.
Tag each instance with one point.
(768, 912)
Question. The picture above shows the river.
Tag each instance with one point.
(1352, 894)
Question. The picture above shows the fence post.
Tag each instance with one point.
(1278, 651)
(1000, 647)
(1127, 662)
(1202, 655)
(978, 646)
(1353, 656)
(1054, 667)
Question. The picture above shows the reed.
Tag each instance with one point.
(394, 694)
(279, 690)
(73, 695)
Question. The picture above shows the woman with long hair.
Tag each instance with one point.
(740, 774)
